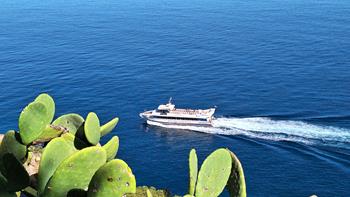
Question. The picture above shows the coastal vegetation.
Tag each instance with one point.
(63, 157)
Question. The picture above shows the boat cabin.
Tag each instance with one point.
(164, 109)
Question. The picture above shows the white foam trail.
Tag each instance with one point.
(277, 130)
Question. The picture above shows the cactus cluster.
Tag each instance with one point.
(60, 157)
(69, 157)
(220, 170)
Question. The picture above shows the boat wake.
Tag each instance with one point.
(276, 130)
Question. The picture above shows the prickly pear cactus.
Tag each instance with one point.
(54, 153)
(109, 126)
(92, 128)
(236, 183)
(111, 148)
(76, 171)
(49, 104)
(115, 178)
(11, 144)
(214, 174)
(32, 122)
(193, 168)
(71, 122)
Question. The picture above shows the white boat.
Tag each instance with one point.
(169, 115)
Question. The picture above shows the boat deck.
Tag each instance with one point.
(199, 112)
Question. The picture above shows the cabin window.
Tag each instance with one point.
(180, 118)
(163, 112)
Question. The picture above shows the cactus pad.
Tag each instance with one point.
(32, 122)
(92, 128)
(71, 122)
(11, 144)
(76, 171)
(115, 178)
(193, 168)
(3, 182)
(50, 132)
(7, 194)
(214, 174)
(111, 148)
(109, 126)
(49, 104)
(149, 194)
(15, 174)
(236, 183)
(54, 153)
(142, 192)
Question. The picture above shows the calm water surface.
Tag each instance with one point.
(278, 71)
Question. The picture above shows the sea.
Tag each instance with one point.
(278, 72)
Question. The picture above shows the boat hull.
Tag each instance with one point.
(175, 122)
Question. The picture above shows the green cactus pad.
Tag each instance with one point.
(11, 144)
(50, 132)
(71, 122)
(15, 174)
(54, 153)
(29, 192)
(115, 178)
(111, 148)
(193, 168)
(92, 128)
(76, 171)
(109, 126)
(236, 183)
(214, 174)
(32, 122)
(142, 192)
(149, 194)
(49, 104)
(3, 182)
(7, 194)
(188, 195)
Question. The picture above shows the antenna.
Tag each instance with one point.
(170, 99)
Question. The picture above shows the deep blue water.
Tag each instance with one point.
(278, 71)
